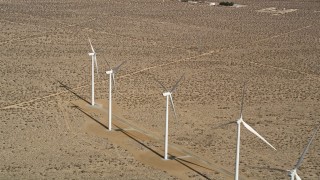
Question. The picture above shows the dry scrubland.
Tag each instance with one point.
(43, 52)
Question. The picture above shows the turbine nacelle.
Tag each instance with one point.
(293, 174)
(92, 54)
(109, 72)
(240, 120)
(167, 94)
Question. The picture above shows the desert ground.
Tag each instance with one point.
(50, 131)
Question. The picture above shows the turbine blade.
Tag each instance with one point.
(243, 94)
(96, 63)
(107, 62)
(91, 46)
(115, 70)
(114, 81)
(175, 86)
(306, 149)
(297, 177)
(257, 134)
(172, 105)
(165, 89)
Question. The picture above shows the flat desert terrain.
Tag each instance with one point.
(49, 130)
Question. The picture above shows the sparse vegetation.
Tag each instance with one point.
(44, 135)
(199, 1)
(226, 3)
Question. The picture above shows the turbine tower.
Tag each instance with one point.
(168, 94)
(293, 173)
(239, 121)
(94, 63)
(112, 73)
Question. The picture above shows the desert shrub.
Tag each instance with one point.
(226, 3)
(197, 1)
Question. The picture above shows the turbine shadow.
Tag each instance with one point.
(183, 162)
(268, 168)
(179, 160)
(194, 164)
(225, 124)
(77, 107)
(70, 90)
(136, 140)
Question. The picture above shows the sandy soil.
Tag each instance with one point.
(46, 70)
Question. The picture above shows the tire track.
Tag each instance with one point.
(178, 61)
(67, 117)
(65, 26)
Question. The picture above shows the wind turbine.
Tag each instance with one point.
(111, 73)
(293, 173)
(239, 121)
(94, 63)
(168, 94)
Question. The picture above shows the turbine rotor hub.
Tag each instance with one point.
(109, 72)
(239, 121)
(166, 93)
(292, 172)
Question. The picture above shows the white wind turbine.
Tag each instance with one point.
(111, 73)
(168, 94)
(293, 173)
(94, 63)
(239, 121)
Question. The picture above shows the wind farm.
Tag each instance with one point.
(54, 127)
